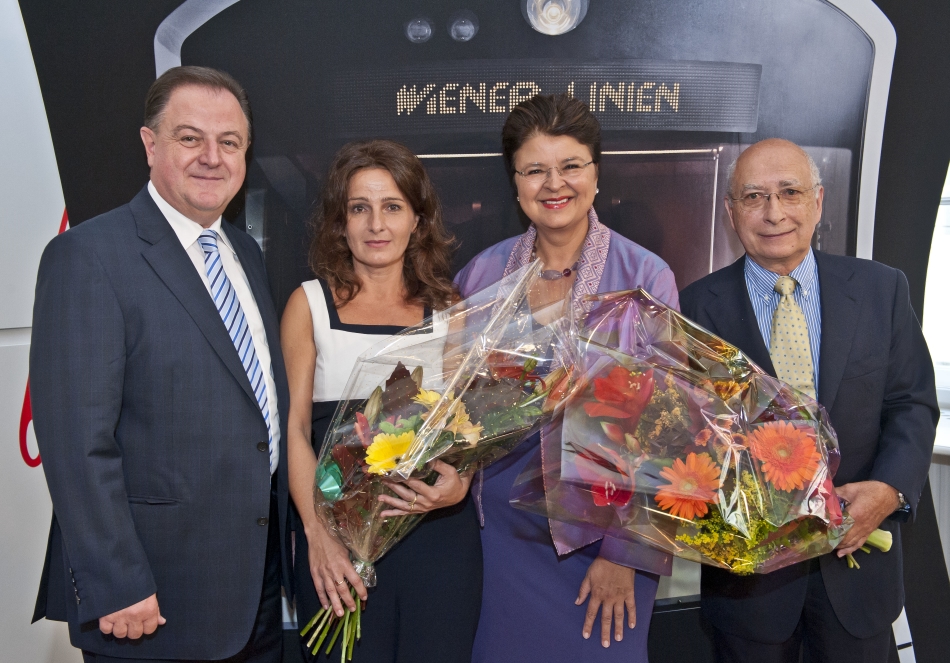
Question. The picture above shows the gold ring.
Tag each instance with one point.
(412, 505)
(341, 582)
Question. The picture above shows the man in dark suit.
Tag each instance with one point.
(846, 326)
(159, 396)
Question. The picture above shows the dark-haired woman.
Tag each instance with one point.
(381, 257)
(540, 574)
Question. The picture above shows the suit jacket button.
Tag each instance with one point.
(262, 521)
(262, 446)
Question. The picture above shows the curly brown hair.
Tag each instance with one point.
(427, 264)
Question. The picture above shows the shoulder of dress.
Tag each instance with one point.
(626, 253)
(314, 292)
(486, 267)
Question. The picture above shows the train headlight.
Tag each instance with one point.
(554, 17)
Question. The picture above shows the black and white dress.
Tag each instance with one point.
(426, 603)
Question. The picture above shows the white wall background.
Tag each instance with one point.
(31, 207)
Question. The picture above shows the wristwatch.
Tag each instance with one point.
(902, 502)
(902, 513)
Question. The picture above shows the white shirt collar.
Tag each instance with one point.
(186, 229)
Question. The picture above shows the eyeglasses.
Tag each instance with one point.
(571, 172)
(755, 201)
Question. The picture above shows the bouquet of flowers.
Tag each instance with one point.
(674, 438)
(465, 386)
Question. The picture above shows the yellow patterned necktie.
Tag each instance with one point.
(789, 347)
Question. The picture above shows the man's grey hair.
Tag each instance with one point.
(812, 168)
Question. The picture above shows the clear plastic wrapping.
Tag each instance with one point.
(465, 386)
(674, 438)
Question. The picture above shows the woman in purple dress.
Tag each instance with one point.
(538, 574)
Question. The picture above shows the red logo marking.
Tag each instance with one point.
(26, 414)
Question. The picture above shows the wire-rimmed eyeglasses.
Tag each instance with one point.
(757, 200)
(569, 171)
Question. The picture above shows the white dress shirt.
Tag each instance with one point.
(187, 232)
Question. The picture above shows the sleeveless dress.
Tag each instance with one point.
(426, 603)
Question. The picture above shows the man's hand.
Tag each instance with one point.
(134, 621)
(869, 503)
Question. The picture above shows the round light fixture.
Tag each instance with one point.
(463, 25)
(554, 17)
(419, 30)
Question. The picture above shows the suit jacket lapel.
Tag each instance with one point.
(839, 311)
(734, 317)
(170, 261)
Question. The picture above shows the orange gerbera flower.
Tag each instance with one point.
(788, 454)
(692, 486)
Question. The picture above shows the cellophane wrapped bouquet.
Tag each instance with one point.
(465, 386)
(674, 438)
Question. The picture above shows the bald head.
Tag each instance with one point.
(764, 145)
(774, 203)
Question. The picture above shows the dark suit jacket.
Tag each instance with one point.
(876, 380)
(150, 438)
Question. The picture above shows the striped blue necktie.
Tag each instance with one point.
(230, 310)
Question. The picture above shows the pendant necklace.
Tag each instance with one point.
(554, 274)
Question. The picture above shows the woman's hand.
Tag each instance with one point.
(416, 496)
(610, 586)
(332, 571)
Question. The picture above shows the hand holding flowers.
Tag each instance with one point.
(416, 496)
(869, 504)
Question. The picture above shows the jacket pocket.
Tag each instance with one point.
(140, 499)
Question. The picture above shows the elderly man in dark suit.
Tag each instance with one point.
(159, 396)
(842, 329)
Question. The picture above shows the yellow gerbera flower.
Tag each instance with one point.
(386, 449)
(426, 397)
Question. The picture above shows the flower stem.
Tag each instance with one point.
(880, 539)
(321, 627)
(324, 621)
(311, 623)
(336, 634)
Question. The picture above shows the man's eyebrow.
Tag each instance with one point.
(187, 127)
(791, 182)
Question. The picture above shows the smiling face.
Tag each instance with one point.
(555, 204)
(379, 220)
(778, 236)
(197, 152)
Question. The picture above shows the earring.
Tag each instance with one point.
(596, 191)
(518, 198)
